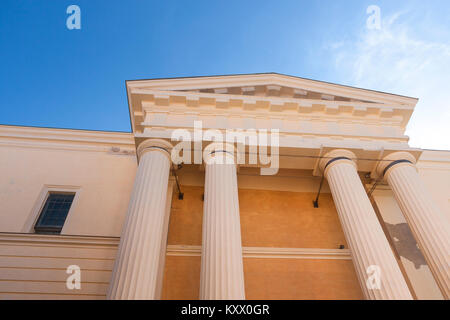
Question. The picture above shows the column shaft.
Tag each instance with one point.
(428, 224)
(370, 249)
(136, 267)
(222, 275)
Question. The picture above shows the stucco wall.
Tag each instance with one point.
(269, 219)
(34, 266)
(271, 279)
(103, 180)
(434, 169)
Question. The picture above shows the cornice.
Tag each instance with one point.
(67, 139)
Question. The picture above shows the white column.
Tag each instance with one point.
(135, 274)
(369, 247)
(222, 274)
(428, 224)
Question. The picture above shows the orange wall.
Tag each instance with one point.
(284, 220)
(270, 279)
(181, 278)
(294, 279)
(288, 220)
(185, 225)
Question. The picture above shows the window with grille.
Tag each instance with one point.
(54, 213)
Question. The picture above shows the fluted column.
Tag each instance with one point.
(222, 274)
(427, 222)
(136, 268)
(369, 247)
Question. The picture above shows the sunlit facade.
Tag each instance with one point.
(337, 206)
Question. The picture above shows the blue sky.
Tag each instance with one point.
(55, 77)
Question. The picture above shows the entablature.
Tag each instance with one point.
(151, 101)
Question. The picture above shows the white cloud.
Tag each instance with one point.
(396, 59)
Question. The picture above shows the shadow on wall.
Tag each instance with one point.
(406, 244)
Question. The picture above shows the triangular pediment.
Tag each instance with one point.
(272, 85)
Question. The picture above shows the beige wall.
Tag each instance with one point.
(434, 169)
(34, 266)
(103, 180)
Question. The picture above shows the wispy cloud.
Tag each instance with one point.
(398, 58)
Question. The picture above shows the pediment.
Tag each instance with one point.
(272, 85)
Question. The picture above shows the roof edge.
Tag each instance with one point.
(277, 74)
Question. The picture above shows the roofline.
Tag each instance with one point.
(280, 74)
(63, 128)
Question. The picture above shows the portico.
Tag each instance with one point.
(327, 130)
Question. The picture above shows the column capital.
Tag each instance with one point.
(219, 153)
(400, 158)
(336, 156)
(154, 145)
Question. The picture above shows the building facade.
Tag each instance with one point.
(261, 186)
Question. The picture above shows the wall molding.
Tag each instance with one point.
(34, 239)
(269, 253)
(172, 250)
